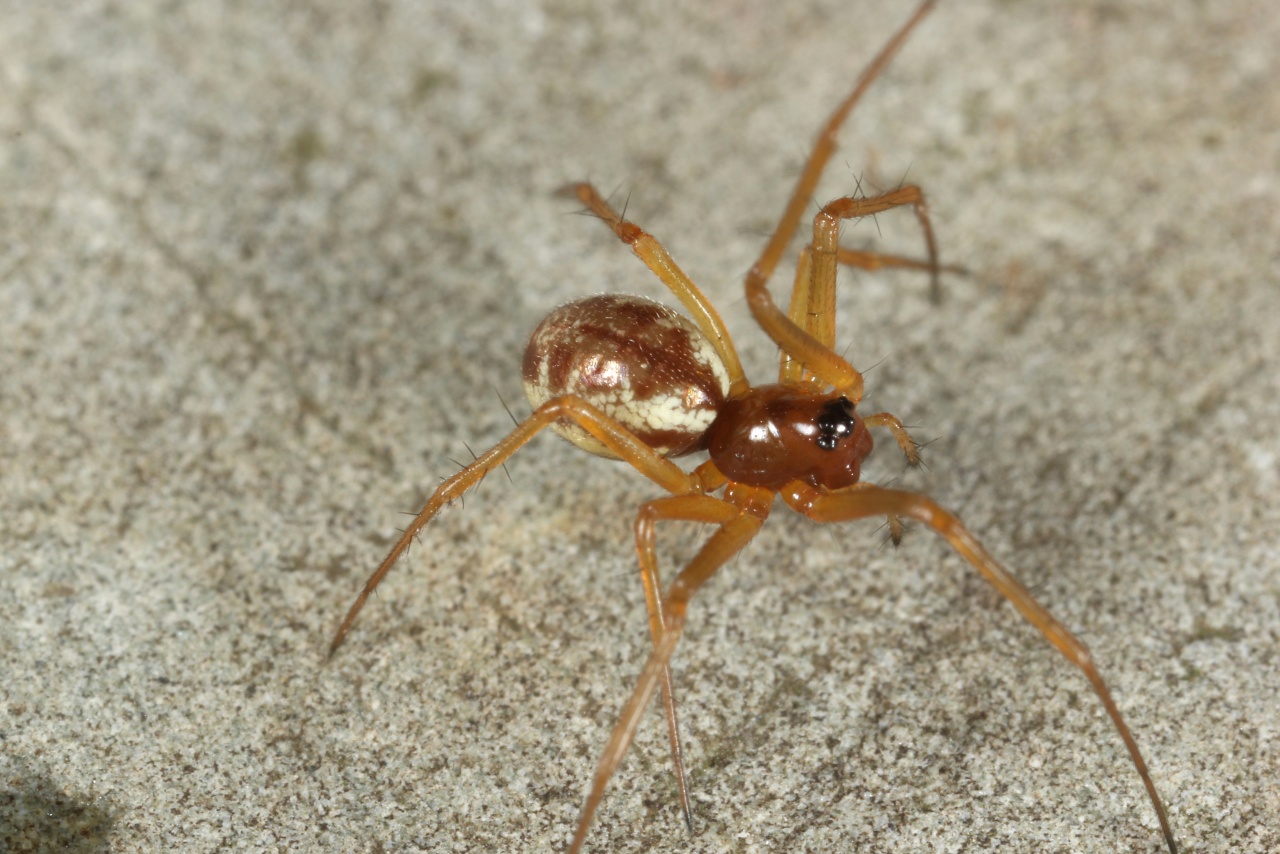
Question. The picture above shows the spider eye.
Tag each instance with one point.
(835, 422)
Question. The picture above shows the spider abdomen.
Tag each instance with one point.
(640, 362)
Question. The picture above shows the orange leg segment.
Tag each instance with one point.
(657, 259)
(826, 241)
(823, 148)
(847, 505)
(687, 508)
(809, 343)
(881, 261)
(751, 506)
(612, 434)
(791, 371)
(803, 342)
(798, 346)
(808, 318)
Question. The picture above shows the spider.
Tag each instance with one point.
(631, 379)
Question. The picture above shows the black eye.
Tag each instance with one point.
(835, 421)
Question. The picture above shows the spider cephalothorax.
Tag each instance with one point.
(778, 433)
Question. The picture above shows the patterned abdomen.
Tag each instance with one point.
(638, 361)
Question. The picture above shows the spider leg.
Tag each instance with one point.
(826, 249)
(826, 243)
(612, 434)
(823, 147)
(810, 343)
(791, 371)
(864, 260)
(657, 259)
(751, 506)
(688, 508)
(847, 505)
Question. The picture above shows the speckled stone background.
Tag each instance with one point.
(265, 268)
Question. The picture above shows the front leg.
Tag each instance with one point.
(847, 505)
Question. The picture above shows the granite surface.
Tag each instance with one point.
(266, 272)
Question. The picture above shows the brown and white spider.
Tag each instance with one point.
(628, 378)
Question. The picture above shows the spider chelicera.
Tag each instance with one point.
(628, 378)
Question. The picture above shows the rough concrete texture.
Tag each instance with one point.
(265, 268)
